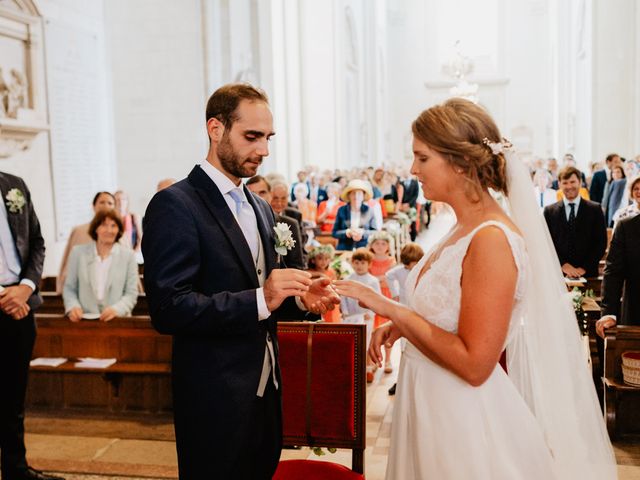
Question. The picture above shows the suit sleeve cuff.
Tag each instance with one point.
(28, 283)
(263, 311)
(300, 304)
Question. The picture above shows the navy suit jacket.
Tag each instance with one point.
(201, 281)
(616, 192)
(343, 222)
(591, 235)
(25, 229)
(596, 192)
(622, 274)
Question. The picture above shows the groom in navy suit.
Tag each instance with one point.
(213, 281)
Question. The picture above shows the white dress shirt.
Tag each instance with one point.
(10, 266)
(225, 185)
(101, 275)
(567, 209)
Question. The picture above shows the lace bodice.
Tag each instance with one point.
(436, 297)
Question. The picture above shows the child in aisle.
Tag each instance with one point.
(351, 311)
(319, 261)
(410, 254)
(382, 246)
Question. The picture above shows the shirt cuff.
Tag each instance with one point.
(613, 317)
(263, 311)
(300, 304)
(28, 283)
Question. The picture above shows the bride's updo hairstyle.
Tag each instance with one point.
(457, 130)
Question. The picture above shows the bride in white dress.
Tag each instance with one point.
(490, 284)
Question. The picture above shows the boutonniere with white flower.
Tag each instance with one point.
(284, 239)
(15, 200)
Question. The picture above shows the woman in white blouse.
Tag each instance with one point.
(102, 276)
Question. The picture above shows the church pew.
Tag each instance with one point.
(139, 380)
(621, 400)
(52, 304)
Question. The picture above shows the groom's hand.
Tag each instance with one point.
(283, 283)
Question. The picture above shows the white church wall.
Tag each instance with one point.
(159, 95)
(615, 70)
(76, 140)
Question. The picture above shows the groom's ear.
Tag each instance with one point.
(215, 129)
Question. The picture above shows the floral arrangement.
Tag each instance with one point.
(326, 249)
(578, 298)
(15, 200)
(284, 238)
(342, 268)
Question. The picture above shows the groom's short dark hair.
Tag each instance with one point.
(225, 100)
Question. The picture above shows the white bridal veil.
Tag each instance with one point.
(546, 357)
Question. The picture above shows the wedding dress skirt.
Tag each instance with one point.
(445, 429)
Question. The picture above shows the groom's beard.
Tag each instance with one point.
(232, 162)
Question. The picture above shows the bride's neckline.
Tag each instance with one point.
(439, 249)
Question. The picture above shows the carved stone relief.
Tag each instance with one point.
(22, 114)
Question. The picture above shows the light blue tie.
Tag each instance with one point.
(246, 219)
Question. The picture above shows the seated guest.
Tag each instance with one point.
(261, 187)
(80, 234)
(634, 208)
(328, 209)
(602, 178)
(280, 206)
(307, 208)
(165, 183)
(577, 227)
(354, 221)
(320, 259)
(131, 222)
(545, 195)
(102, 277)
(317, 194)
(621, 278)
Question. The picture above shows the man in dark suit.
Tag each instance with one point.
(280, 205)
(214, 283)
(601, 179)
(577, 227)
(21, 259)
(261, 187)
(622, 277)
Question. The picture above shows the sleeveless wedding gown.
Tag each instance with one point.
(443, 428)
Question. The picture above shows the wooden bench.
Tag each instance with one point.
(138, 381)
(52, 303)
(622, 401)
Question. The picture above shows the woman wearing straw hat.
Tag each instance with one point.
(355, 220)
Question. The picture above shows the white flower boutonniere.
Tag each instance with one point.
(284, 239)
(15, 200)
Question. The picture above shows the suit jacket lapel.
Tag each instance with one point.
(14, 219)
(92, 253)
(266, 233)
(216, 204)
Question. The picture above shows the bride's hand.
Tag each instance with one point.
(385, 335)
(367, 297)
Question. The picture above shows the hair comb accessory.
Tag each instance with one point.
(497, 147)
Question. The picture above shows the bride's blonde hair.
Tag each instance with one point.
(457, 130)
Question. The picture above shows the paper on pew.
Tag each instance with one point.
(89, 362)
(47, 362)
(575, 282)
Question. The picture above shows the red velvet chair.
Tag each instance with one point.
(323, 396)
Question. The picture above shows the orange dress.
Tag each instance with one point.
(330, 219)
(378, 268)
